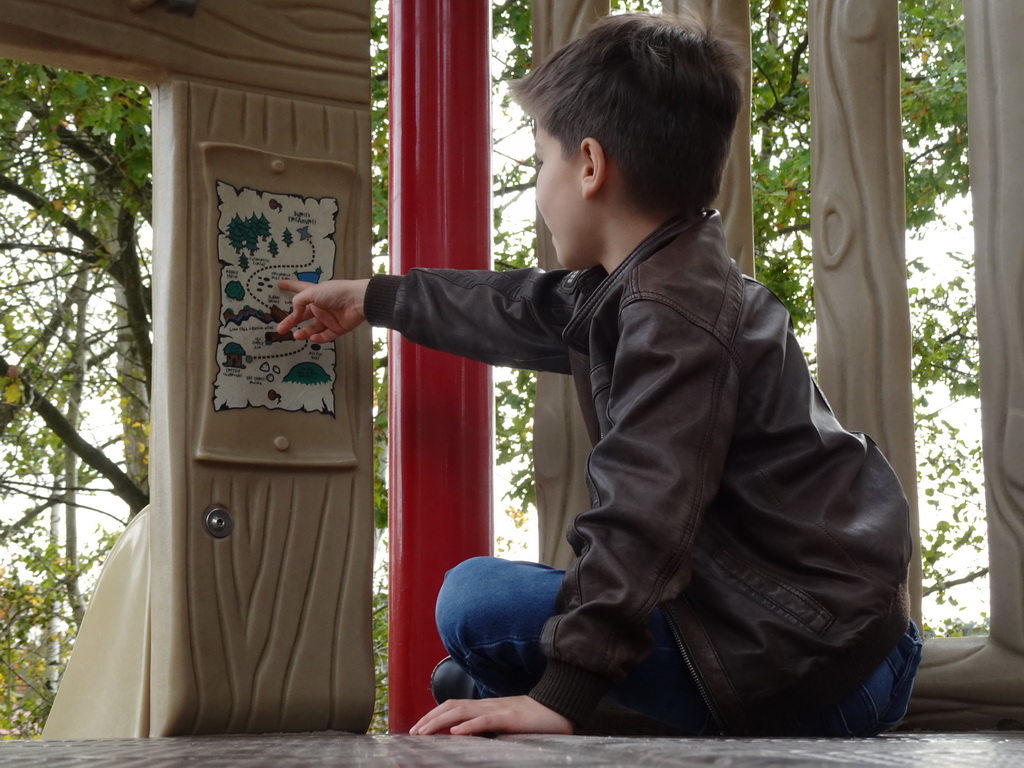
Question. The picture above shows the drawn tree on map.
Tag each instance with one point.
(261, 226)
(237, 233)
(252, 234)
(287, 237)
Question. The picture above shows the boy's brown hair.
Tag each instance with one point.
(660, 93)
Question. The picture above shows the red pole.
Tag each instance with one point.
(441, 415)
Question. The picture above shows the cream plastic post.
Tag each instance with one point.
(735, 200)
(261, 114)
(858, 230)
(560, 441)
(975, 682)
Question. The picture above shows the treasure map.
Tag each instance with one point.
(264, 237)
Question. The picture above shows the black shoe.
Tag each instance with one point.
(450, 681)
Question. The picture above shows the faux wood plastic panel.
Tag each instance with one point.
(261, 168)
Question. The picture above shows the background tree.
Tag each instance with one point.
(75, 198)
(74, 195)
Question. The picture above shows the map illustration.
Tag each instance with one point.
(264, 237)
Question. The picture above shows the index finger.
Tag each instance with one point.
(299, 311)
(294, 286)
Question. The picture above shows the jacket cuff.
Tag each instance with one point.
(379, 301)
(571, 691)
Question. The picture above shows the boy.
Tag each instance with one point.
(742, 568)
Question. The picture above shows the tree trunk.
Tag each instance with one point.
(54, 663)
(74, 416)
(131, 376)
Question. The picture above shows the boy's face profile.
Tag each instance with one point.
(562, 203)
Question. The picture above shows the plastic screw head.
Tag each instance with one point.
(219, 523)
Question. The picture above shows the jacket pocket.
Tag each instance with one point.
(784, 600)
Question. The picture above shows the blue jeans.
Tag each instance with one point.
(490, 614)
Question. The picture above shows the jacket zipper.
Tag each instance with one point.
(692, 668)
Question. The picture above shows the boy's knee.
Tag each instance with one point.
(466, 583)
(466, 590)
(472, 568)
(487, 601)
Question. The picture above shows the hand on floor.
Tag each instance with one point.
(510, 714)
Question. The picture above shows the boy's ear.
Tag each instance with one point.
(594, 169)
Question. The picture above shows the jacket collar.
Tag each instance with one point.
(577, 330)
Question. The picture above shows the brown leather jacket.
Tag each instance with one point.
(723, 489)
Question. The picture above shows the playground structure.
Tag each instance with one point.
(241, 597)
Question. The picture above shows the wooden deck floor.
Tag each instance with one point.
(995, 749)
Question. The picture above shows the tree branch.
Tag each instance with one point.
(81, 147)
(930, 150)
(39, 203)
(802, 227)
(777, 109)
(514, 188)
(955, 582)
(96, 157)
(27, 518)
(75, 253)
(122, 484)
(125, 269)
